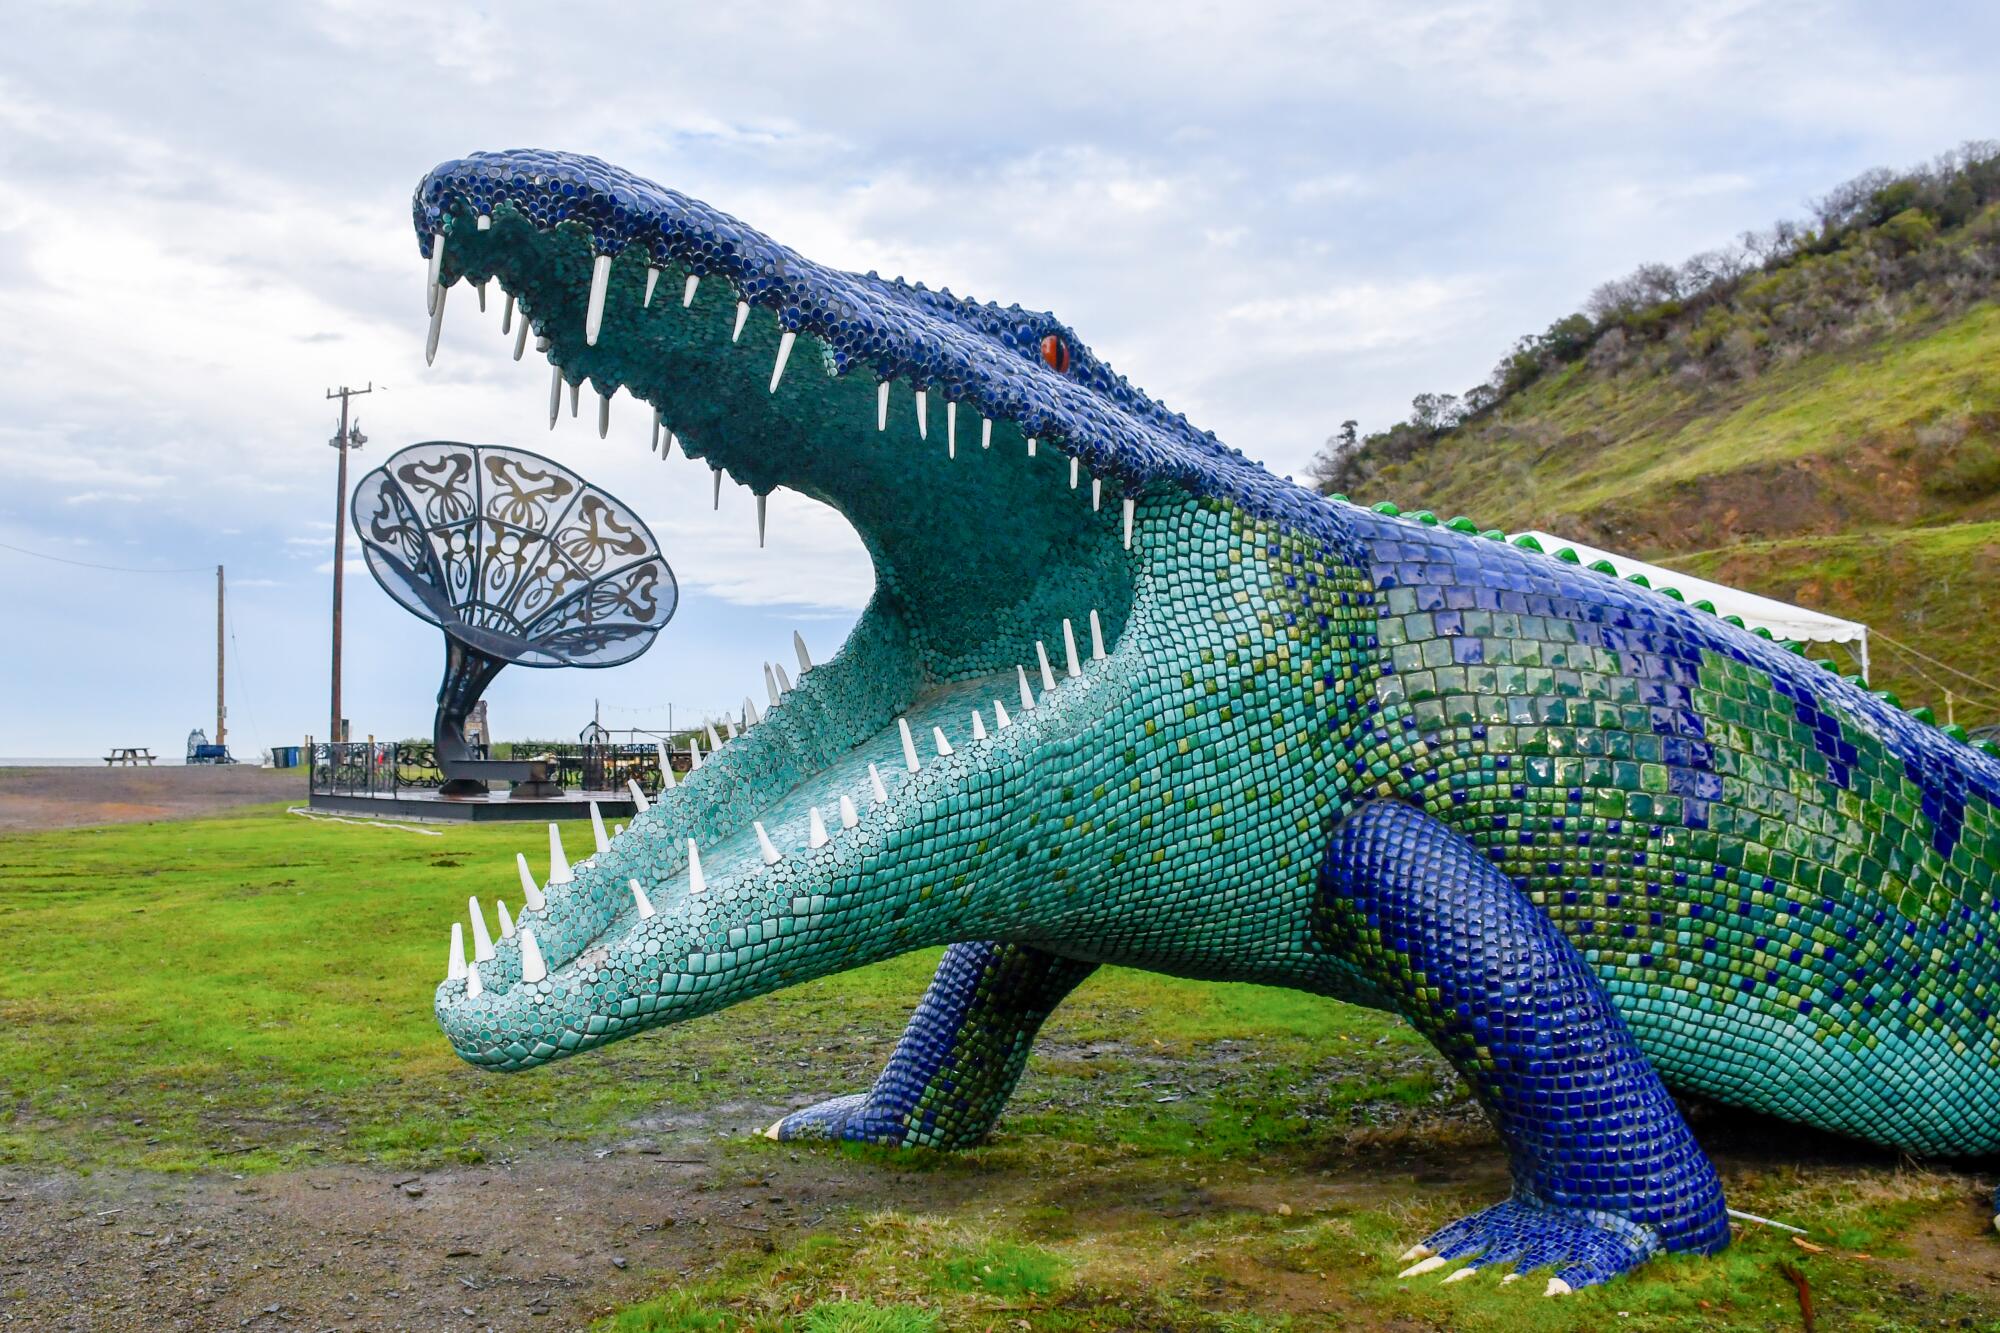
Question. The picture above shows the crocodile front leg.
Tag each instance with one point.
(1606, 1173)
(960, 1057)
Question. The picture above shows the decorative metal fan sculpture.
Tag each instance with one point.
(516, 559)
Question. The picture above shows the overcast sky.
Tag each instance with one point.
(1272, 217)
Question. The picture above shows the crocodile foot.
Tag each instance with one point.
(1584, 1246)
(849, 1119)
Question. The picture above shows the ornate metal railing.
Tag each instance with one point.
(383, 768)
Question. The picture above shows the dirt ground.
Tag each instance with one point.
(46, 798)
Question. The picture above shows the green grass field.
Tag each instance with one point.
(251, 994)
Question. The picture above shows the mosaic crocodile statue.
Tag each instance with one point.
(1592, 842)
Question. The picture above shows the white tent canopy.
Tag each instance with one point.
(1784, 620)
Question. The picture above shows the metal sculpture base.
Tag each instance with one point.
(471, 779)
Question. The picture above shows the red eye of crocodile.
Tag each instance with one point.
(1056, 352)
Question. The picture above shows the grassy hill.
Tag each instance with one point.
(1850, 463)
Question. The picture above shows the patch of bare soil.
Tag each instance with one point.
(50, 798)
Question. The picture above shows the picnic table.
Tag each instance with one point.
(129, 755)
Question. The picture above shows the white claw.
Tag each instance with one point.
(597, 829)
(784, 681)
(764, 844)
(1096, 493)
(652, 281)
(1096, 638)
(558, 863)
(696, 884)
(951, 430)
(531, 892)
(437, 325)
(1422, 1266)
(1074, 466)
(694, 754)
(687, 292)
(923, 414)
(1031, 446)
(1129, 505)
(639, 897)
(1027, 695)
(985, 432)
(770, 684)
(520, 337)
(1460, 1275)
(1414, 1253)
(815, 830)
(506, 921)
(484, 222)
(943, 745)
(1069, 651)
(639, 802)
(533, 969)
(555, 395)
(1557, 1287)
(603, 414)
(750, 718)
(742, 314)
(593, 314)
(882, 406)
(1000, 719)
(784, 355)
(909, 745)
(474, 988)
(1042, 660)
(978, 726)
(762, 501)
(482, 943)
(666, 767)
(799, 647)
(454, 963)
(875, 782)
(849, 816)
(1511, 1277)
(714, 741)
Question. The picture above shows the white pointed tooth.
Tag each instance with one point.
(923, 414)
(750, 718)
(520, 337)
(875, 783)
(454, 963)
(687, 292)
(1027, 695)
(849, 816)
(728, 732)
(484, 222)
(742, 314)
(531, 892)
(1096, 638)
(784, 681)
(1031, 446)
(696, 884)
(1460, 1275)
(716, 472)
(1422, 1266)
(533, 969)
(770, 685)
(437, 325)
(815, 830)
(597, 829)
(575, 390)
(1096, 493)
(436, 267)
(1000, 719)
(653, 445)
(652, 281)
(639, 803)
(978, 726)
(1557, 1287)
(666, 767)
(555, 395)
(603, 414)
(639, 897)
(593, 314)
(1075, 465)
(714, 741)
(1414, 1253)
(1069, 650)
(542, 344)
(482, 943)
(985, 432)
(943, 745)
(506, 921)
(882, 406)
(480, 288)
(784, 355)
(764, 844)
(909, 745)
(474, 988)
(799, 647)
(762, 501)
(507, 314)
(558, 863)
(1042, 660)
(694, 754)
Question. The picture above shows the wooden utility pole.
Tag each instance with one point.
(343, 441)
(221, 736)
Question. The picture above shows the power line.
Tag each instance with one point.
(114, 569)
(1982, 684)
